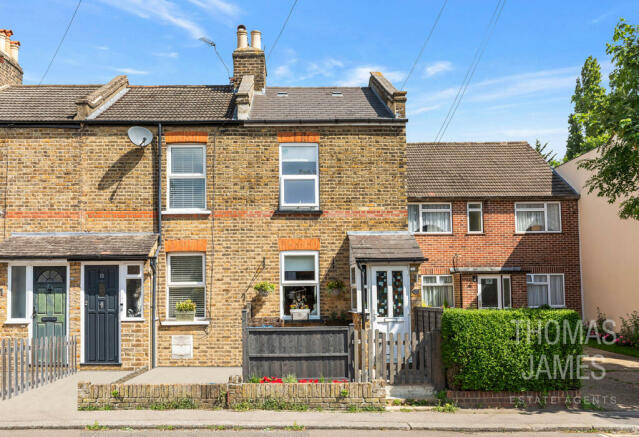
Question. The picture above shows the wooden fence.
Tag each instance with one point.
(402, 358)
(306, 352)
(427, 319)
(31, 363)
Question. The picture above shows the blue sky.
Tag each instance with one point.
(521, 89)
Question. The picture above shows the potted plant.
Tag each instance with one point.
(264, 288)
(185, 310)
(335, 287)
(299, 309)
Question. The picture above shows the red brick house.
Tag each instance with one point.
(498, 225)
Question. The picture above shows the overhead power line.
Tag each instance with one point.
(419, 55)
(281, 31)
(490, 28)
(75, 12)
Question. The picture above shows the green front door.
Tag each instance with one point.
(49, 302)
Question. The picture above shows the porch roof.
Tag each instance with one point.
(391, 246)
(79, 245)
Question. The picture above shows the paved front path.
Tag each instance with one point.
(619, 389)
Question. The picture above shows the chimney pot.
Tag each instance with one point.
(242, 37)
(256, 39)
(15, 48)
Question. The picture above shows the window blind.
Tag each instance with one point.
(186, 269)
(180, 294)
(186, 193)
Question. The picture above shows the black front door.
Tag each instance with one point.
(101, 314)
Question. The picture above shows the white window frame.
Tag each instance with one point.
(170, 284)
(284, 282)
(283, 178)
(124, 275)
(421, 209)
(500, 291)
(170, 175)
(481, 216)
(543, 207)
(547, 275)
(437, 284)
(356, 286)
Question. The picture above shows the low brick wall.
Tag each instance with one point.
(212, 396)
(141, 396)
(505, 399)
(323, 395)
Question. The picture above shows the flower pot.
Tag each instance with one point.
(264, 293)
(334, 291)
(185, 316)
(300, 314)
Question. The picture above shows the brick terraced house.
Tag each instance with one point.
(242, 183)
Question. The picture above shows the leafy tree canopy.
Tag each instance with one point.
(548, 155)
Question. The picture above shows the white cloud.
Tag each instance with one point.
(323, 68)
(423, 109)
(168, 12)
(282, 71)
(437, 67)
(130, 71)
(103, 48)
(217, 6)
(359, 76)
(166, 54)
(531, 132)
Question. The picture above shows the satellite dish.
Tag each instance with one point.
(140, 136)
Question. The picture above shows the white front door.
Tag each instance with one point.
(489, 292)
(390, 300)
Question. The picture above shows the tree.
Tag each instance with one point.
(588, 91)
(549, 156)
(615, 118)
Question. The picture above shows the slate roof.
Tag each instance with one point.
(318, 103)
(384, 246)
(41, 102)
(508, 169)
(179, 102)
(78, 245)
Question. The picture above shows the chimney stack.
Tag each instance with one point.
(10, 71)
(249, 60)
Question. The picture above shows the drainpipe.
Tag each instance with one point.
(154, 260)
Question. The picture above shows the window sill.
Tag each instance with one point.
(17, 322)
(184, 323)
(186, 212)
(132, 320)
(310, 319)
(538, 232)
(432, 233)
(475, 233)
(298, 211)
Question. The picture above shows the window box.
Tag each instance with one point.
(185, 316)
(302, 314)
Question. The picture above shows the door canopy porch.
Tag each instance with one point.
(384, 247)
(79, 246)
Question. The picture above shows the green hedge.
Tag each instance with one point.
(481, 351)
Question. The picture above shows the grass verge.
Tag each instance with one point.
(623, 350)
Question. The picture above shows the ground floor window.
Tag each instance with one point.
(186, 281)
(494, 292)
(18, 293)
(133, 290)
(437, 290)
(545, 289)
(299, 282)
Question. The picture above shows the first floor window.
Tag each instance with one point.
(475, 219)
(538, 217)
(299, 182)
(437, 290)
(18, 292)
(186, 281)
(433, 218)
(187, 180)
(545, 289)
(299, 282)
(133, 289)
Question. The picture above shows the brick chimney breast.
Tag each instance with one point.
(249, 60)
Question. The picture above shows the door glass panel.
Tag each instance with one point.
(506, 293)
(381, 279)
(398, 294)
(489, 293)
(18, 292)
